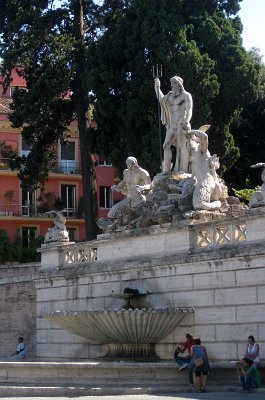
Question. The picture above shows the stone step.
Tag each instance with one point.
(100, 373)
(90, 390)
(55, 378)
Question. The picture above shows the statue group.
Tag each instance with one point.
(192, 154)
(188, 184)
(186, 187)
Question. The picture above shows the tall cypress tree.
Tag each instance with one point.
(248, 131)
(47, 46)
(197, 40)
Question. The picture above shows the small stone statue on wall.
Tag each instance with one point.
(258, 198)
(57, 232)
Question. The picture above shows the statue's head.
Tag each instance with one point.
(177, 84)
(131, 162)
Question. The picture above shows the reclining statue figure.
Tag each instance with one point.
(135, 183)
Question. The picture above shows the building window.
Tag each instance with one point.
(67, 163)
(68, 196)
(104, 163)
(29, 234)
(105, 197)
(14, 88)
(29, 206)
(72, 234)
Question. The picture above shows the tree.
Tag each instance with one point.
(238, 75)
(47, 46)
(197, 40)
(13, 251)
(112, 61)
(248, 131)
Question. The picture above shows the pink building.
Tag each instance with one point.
(21, 212)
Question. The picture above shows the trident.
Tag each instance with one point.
(157, 73)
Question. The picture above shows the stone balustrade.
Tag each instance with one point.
(191, 235)
(61, 254)
(79, 254)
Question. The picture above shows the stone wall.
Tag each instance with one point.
(17, 308)
(225, 285)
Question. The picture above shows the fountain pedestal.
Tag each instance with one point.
(132, 351)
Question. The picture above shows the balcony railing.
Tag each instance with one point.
(58, 167)
(20, 210)
(66, 167)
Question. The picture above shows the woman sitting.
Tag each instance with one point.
(252, 351)
(201, 365)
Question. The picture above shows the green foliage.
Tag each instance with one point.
(15, 252)
(112, 60)
(248, 131)
(200, 41)
(3, 245)
(50, 202)
(46, 46)
(58, 204)
(244, 194)
(43, 110)
(8, 153)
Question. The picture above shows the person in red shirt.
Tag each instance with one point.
(186, 361)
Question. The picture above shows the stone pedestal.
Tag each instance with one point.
(129, 351)
(52, 254)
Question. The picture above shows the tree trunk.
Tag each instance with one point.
(81, 101)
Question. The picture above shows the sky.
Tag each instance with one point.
(252, 15)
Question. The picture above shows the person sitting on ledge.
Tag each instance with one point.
(252, 351)
(185, 362)
(20, 351)
(248, 374)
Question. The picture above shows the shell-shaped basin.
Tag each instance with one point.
(119, 326)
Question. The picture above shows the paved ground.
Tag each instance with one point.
(178, 396)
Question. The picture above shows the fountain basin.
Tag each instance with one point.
(131, 333)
